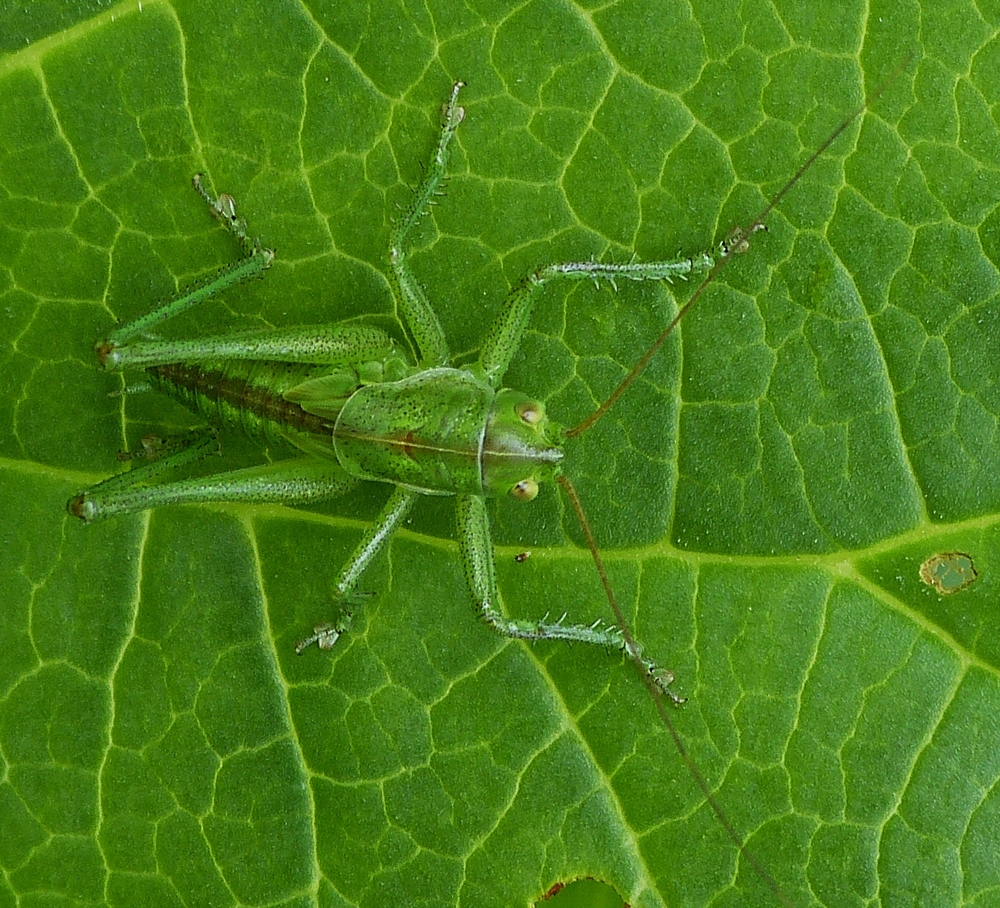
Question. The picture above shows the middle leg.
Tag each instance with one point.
(476, 547)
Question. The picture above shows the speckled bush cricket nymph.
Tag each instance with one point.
(354, 407)
(347, 398)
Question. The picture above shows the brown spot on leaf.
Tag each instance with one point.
(948, 572)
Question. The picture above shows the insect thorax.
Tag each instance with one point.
(442, 431)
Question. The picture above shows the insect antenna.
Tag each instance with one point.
(633, 650)
(736, 243)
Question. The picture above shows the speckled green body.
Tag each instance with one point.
(424, 433)
(353, 407)
(435, 431)
(249, 396)
(444, 431)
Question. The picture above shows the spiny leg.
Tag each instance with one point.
(319, 344)
(302, 481)
(476, 547)
(192, 446)
(420, 317)
(502, 340)
(256, 261)
(224, 208)
(396, 509)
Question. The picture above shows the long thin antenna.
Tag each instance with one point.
(633, 650)
(736, 243)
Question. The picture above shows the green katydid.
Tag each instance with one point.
(352, 405)
(346, 398)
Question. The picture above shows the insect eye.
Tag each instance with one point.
(525, 490)
(530, 413)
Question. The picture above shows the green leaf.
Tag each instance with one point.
(823, 423)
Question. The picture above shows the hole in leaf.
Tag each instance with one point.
(581, 894)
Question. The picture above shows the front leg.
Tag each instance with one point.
(504, 336)
(419, 316)
(476, 547)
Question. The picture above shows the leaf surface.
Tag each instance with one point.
(822, 424)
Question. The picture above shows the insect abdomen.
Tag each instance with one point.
(245, 395)
(424, 432)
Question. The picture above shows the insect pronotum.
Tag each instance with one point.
(354, 407)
